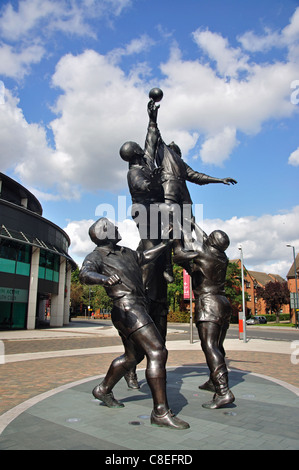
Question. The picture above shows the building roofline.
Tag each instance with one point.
(291, 273)
(24, 192)
(34, 214)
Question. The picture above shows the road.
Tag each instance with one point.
(181, 331)
(264, 332)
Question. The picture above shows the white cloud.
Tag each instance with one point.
(16, 63)
(290, 33)
(230, 61)
(100, 109)
(253, 43)
(100, 106)
(15, 24)
(81, 244)
(55, 15)
(294, 158)
(25, 149)
(263, 239)
(33, 22)
(217, 148)
(19, 140)
(287, 37)
(210, 105)
(135, 46)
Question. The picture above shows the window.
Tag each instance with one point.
(15, 257)
(13, 315)
(49, 264)
(23, 260)
(8, 256)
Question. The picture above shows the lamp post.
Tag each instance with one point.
(242, 317)
(296, 288)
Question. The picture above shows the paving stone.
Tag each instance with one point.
(71, 419)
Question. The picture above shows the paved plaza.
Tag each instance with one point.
(48, 376)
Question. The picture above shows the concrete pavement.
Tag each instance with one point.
(48, 376)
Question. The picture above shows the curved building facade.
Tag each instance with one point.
(35, 268)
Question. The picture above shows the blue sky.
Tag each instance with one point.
(76, 76)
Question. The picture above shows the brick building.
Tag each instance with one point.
(292, 283)
(253, 279)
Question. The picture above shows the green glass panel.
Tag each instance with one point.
(55, 276)
(19, 315)
(23, 268)
(5, 314)
(49, 275)
(41, 272)
(7, 265)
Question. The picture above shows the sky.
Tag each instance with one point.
(74, 82)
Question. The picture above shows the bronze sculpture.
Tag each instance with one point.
(157, 178)
(118, 270)
(137, 280)
(212, 310)
(146, 191)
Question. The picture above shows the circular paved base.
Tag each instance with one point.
(264, 416)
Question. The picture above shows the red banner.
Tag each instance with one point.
(186, 280)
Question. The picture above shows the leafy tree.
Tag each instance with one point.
(275, 294)
(100, 298)
(233, 287)
(82, 295)
(175, 290)
(76, 291)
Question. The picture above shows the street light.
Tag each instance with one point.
(243, 316)
(296, 288)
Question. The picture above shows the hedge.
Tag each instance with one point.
(184, 317)
(178, 317)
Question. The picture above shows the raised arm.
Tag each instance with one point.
(153, 134)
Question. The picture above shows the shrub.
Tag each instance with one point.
(178, 317)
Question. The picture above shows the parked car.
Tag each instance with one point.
(256, 319)
(262, 319)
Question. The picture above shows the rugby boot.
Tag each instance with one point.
(107, 398)
(208, 385)
(168, 420)
(223, 395)
(131, 379)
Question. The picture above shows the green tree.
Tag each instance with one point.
(76, 298)
(100, 298)
(233, 288)
(175, 290)
(83, 296)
